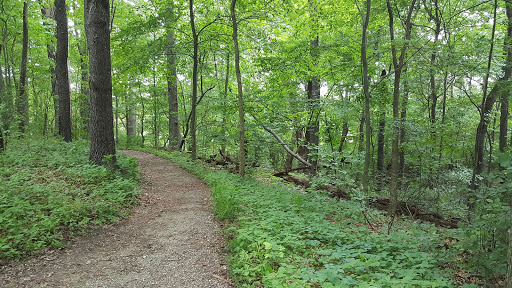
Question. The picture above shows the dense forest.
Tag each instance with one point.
(401, 104)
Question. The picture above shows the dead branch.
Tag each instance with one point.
(269, 130)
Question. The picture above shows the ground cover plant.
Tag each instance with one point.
(49, 190)
(283, 237)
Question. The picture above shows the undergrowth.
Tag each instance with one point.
(49, 190)
(284, 238)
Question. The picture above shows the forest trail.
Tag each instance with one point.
(171, 240)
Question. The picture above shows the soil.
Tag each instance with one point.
(171, 240)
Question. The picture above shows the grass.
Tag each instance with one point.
(49, 191)
(280, 237)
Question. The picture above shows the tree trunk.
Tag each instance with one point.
(403, 118)
(193, 129)
(84, 87)
(172, 90)
(61, 70)
(224, 104)
(97, 23)
(366, 92)
(241, 112)
(508, 71)
(486, 107)
(344, 134)
(2, 107)
(22, 100)
(131, 120)
(398, 64)
(380, 149)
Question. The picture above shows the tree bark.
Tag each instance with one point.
(224, 109)
(84, 86)
(61, 70)
(97, 29)
(193, 129)
(485, 109)
(380, 149)
(172, 89)
(241, 112)
(22, 100)
(508, 71)
(344, 134)
(366, 93)
(398, 64)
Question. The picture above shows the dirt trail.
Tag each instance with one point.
(171, 240)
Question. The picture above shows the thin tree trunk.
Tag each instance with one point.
(241, 112)
(403, 118)
(398, 63)
(2, 103)
(366, 92)
(224, 105)
(22, 100)
(61, 70)
(193, 129)
(380, 149)
(344, 133)
(486, 107)
(97, 29)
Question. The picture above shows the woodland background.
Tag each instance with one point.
(404, 99)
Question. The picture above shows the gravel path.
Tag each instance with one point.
(171, 240)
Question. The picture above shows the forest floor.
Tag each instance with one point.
(171, 240)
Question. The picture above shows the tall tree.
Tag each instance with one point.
(61, 70)
(365, 16)
(486, 106)
(241, 112)
(508, 71)
(172, 86)
(193, 128)
(22, 100)
(312, 137)
(398, 64)
(97, 29)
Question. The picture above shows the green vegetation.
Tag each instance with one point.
(49, 190)
(282, 237)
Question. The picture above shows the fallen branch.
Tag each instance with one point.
(269, 130)
(279, 174)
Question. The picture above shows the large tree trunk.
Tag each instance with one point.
(97, 23)
(193, 129)
(398, 64)
(172, 90)
(61, 70)
(241, 112)
(22, 100)
(366, 93)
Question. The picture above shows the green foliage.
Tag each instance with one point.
(284, 238)
(486, 237)
(48, 190)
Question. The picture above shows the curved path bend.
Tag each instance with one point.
(171, 240)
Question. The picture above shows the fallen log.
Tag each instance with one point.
(279, 174)
(381, 203)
